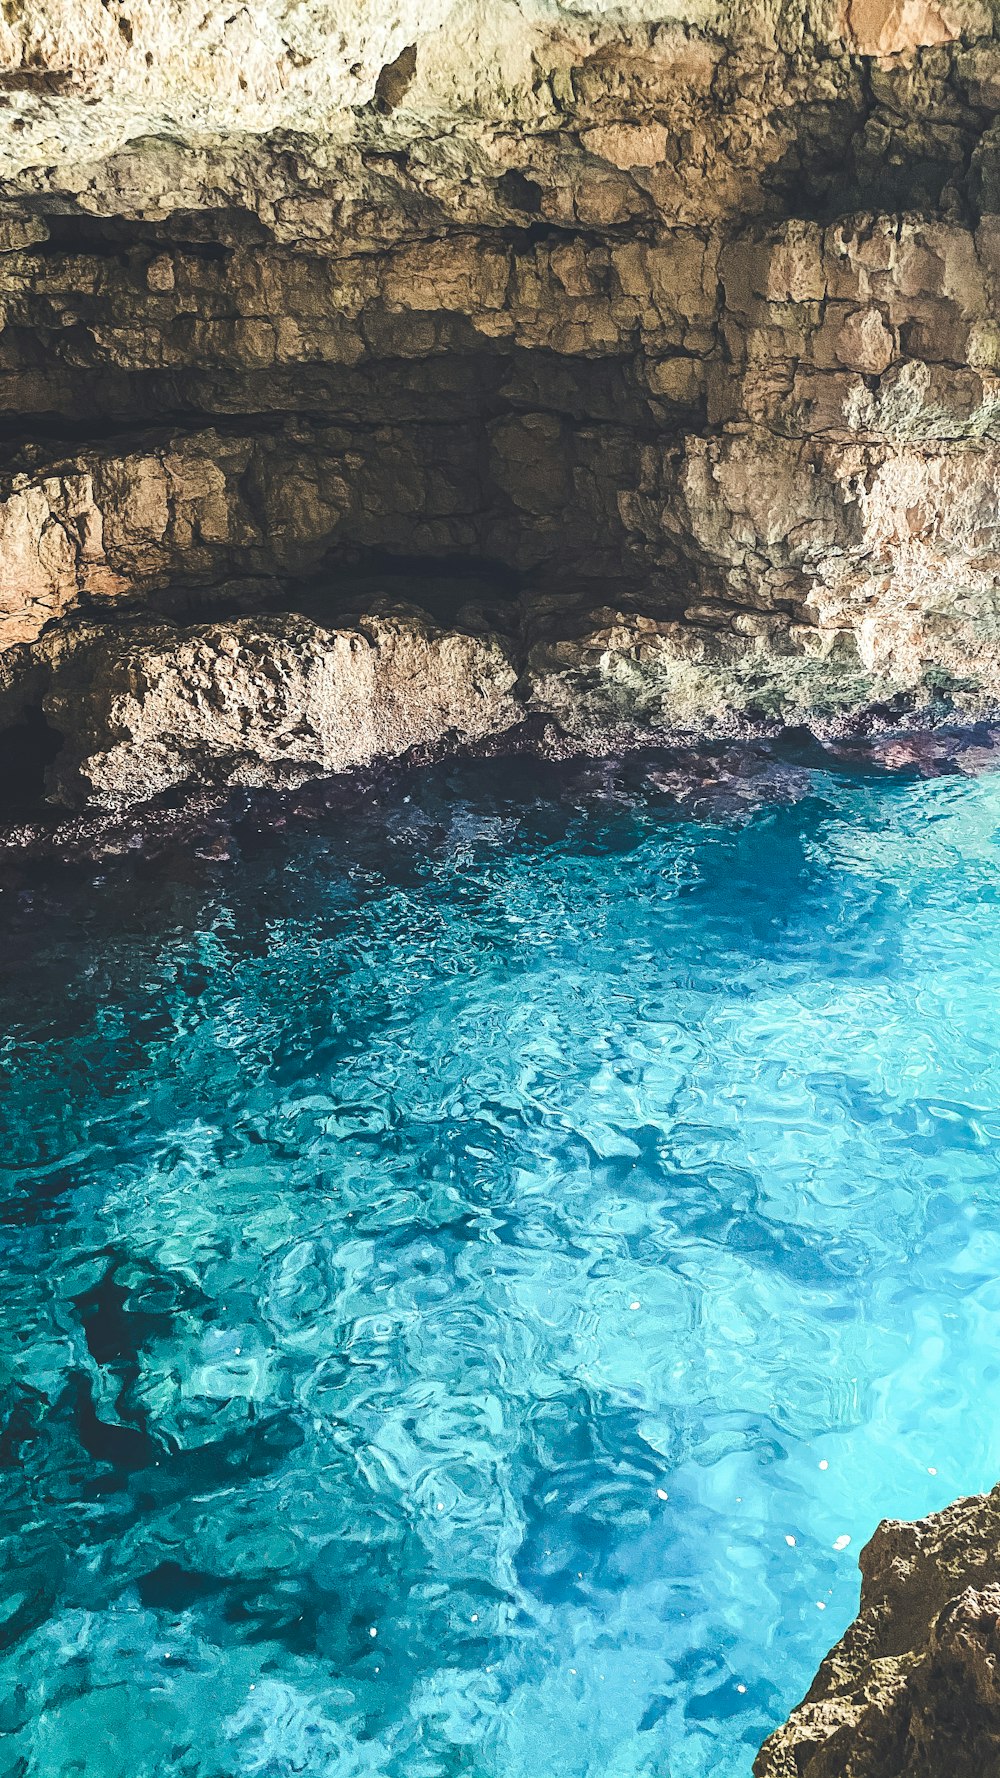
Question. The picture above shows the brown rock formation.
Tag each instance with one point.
(258, 701)
(682, 335)
(913, 1688)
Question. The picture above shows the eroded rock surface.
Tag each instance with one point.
(913, 1688)
(258, 701)
(683, 325)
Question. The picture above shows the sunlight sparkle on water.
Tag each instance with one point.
(476, 1273)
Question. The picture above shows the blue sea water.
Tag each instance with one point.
(477, 1270)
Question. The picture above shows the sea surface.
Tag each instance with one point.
(477, 1267)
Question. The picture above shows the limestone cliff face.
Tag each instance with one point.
(676, 329)
(913, 1689)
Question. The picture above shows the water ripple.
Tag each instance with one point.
(474, 1280)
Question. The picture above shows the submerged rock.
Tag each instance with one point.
(913, 1688)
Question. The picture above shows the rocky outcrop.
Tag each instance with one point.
(259, 701)
(913, 1689)
(680, 331)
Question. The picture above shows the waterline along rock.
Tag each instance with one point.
(676, 334)
(913, 1689)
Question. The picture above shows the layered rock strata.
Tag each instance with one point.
(677, 335)
(913, 1688)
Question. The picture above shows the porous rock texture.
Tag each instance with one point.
(659, 342)
(913, 1688)
(259, 701)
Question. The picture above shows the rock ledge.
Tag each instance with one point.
(913, 1689)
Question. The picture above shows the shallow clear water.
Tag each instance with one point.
(468, 1268)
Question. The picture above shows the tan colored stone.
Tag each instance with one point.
(895, 27)
(479, 282)
(262, 700)
(864, 342)
(913, 1688)
(627, 145)
(160, 273)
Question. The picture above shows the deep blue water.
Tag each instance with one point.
(469, 1268)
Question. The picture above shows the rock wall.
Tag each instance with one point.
(676, 332)
(913, 1689)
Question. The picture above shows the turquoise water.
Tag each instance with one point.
(470, 1266)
